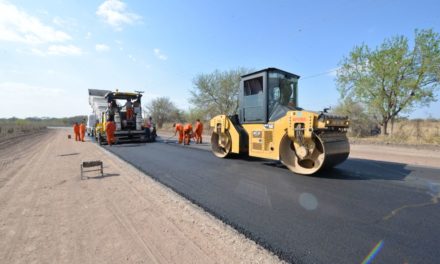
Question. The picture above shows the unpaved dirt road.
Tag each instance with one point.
(404, 155)
(49, 215)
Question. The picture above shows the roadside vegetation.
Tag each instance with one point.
(11, 127)
(391, 80)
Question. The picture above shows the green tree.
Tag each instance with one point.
(361, 122)
(217, 92)
(162, 110)
(393, 78)
(193, 114)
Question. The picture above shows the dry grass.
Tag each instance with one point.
(409, 132)
(12, 130)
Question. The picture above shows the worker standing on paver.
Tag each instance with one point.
(82, 131)
(110, 128)
(129, 109)
(198, 131)
(76, 131)
(187, 133)
(179, 128)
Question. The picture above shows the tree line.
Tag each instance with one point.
(43, 121)
(376, 85)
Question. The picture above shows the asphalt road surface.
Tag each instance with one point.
(362, 210)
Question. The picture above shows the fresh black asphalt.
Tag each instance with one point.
(338, 216)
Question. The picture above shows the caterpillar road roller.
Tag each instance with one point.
(270, 125)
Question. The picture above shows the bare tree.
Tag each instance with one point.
(162, 110)
(217, 92)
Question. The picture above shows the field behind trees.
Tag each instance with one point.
(12, 127)
(412, 132)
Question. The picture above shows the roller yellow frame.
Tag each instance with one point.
(270, 125)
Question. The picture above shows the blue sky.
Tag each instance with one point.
(51, 52)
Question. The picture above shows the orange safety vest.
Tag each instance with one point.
(199, 128)
(187, 128)
(179, 128)
(82, 128)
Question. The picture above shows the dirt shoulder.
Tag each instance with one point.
(49, 215)
(406, 155)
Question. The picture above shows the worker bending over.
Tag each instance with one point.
(179, 128)
(76, 131)
(187, 133)
(198, 132)
(110, 128)
(82, 131)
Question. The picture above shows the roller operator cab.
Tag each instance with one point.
(269, 124)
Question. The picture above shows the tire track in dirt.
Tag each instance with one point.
(22, 152)
(21, 191)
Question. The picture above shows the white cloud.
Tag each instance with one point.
(38, 52)
(18, 88)
(114, 13)
(131, 57)
(102, 48)
(89, 35)
(58, 50)
(35, 100)
(18, 26)
(64, 50)
(64, 22)
(160, 55)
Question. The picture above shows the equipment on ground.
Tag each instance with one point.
(112, 106)
(270, 125)
(91, 164)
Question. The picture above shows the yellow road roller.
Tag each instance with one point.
(270, 125)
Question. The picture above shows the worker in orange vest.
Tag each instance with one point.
(187, 133)
(82, 131)
(76, 131)
(198, 132)
(110, 128)
(179, 128)
(129, 109)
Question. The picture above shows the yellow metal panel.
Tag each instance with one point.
(263, 139)
(268, 140)
(226, 125)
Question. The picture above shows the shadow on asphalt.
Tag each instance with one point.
(358, 169)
